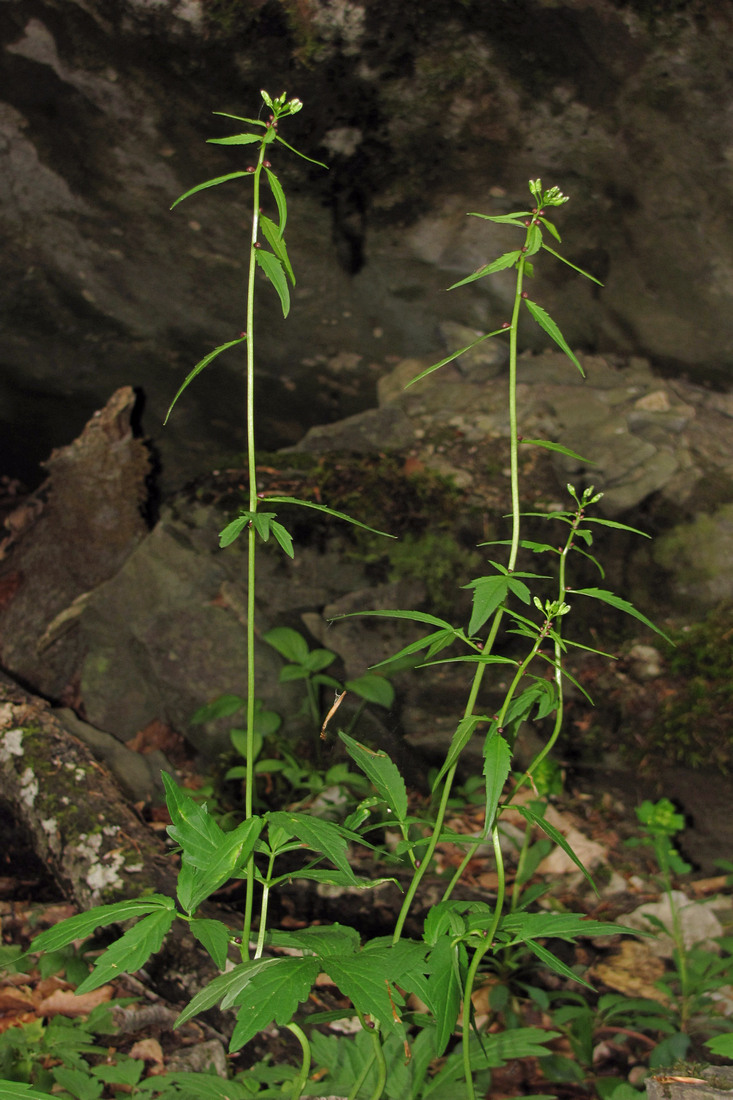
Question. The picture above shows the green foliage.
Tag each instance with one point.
(392, 1053)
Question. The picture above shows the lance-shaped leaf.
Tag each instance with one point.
(558, 447)
(273, 994)
(209, 183)
(622, 605)
(461, 737)
(517, 218)
(328, 511)
(443, 990)
(321, 940)
(15, 1090)
(277, 244)
(454, 355)
(273, 269)
(318, 834)
(237, 139)
(366, 978)
(83, 924)
(280, 201)
(200, 366)
(214, 936)
(225, 988)
(196, 883)
(554, 834)
(546, 322)
(507, 260)
(382, 772)
(131, 951)
(497, 763)
(574, 266)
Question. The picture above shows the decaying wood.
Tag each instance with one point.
(73, 533)
(73, 812)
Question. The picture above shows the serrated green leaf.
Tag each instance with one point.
(500, 264)
(214, 936)
(225, 988)
(273, 269)
(75, 1081)
(534, 240)
(284, 538)
(321, 940)
(616, 524)
(224, 863)
(367, 978)
(131, 951)
(82, 925)
(280, 201)
(209, 183)
(558, 448)
(622, 605)
(239, 118)
(273, 995)
(443, 990)
(232, 531)
(277, 244)
(328, 511)
(236, 139)
(298, 153)
(202, 363)
(191, 825)
(382, 772)
(557, 837)
(372, 688)
(517, 218)
(574, 266)
(546, 322)
(318, 834)
(497, 764)
(552, 229)
(10, 1090)
(489, 593)
(454, 355)
(464, 733)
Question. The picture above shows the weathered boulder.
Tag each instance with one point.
(423, 112)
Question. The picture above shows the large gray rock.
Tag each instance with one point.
(423, 114)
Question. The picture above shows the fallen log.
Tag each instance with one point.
(78, 821)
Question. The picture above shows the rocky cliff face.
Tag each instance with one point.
(423, 111)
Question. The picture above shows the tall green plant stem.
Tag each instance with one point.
(496, 621)
(251, 541)
(476, 962)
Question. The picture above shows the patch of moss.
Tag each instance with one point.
(693, 726)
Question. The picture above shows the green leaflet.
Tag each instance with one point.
(209, 183)
(272, 994)
(367, 978)
(214, 936)
(454, 355)
(329, 511)
(461, 737)
(382, 772)
(507, 260)
(558, 448)
(131, 951)
(373, 688)
(497, 764)
(622, 605)
(200, 366)
(546, 322)
(318, 834)
(277, 244)
(332, 939)
(82, 925)
(225, 988)
(280, 201)
(273, 269)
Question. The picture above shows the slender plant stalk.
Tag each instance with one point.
(251, 548)
(302, 1079)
